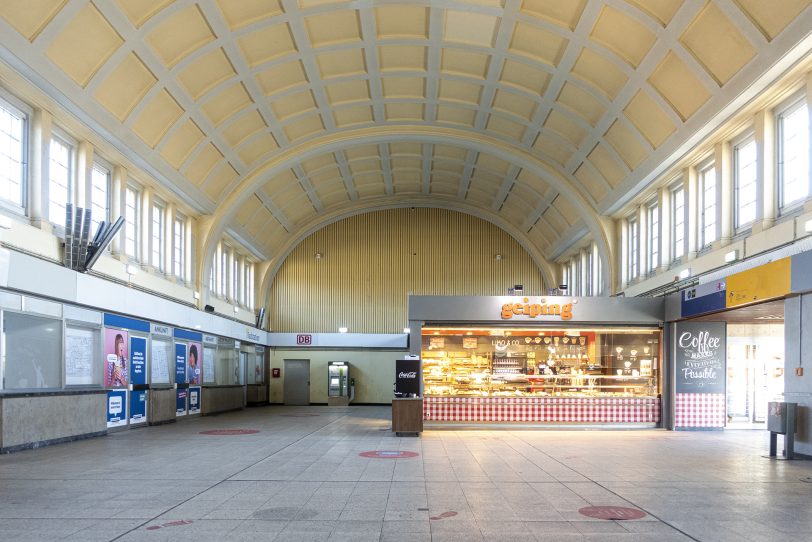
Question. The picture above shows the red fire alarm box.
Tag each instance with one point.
(276, 372)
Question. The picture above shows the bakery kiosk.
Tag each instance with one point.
(539, 359)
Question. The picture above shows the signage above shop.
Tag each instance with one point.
(532, 310)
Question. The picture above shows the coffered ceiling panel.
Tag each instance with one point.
(276, 116)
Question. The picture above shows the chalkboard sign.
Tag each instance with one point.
(700, 357)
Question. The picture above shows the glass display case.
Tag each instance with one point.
(494, 362)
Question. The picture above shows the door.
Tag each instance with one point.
(297, 381)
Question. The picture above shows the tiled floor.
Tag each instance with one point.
(301, 478)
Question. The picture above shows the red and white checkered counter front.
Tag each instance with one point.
(542, 409)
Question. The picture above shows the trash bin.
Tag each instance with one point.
(781, 420)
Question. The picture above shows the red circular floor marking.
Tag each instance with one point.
(612, 512)
(388, 454)
(230, 432)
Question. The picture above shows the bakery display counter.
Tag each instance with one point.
(642, 411)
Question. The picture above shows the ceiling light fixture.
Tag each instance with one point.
(318, 255)
(342, 330)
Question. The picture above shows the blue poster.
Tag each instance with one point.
(116, 408)
(194, 399)
(138, 406)
(138, 360)
(180, 364)
(180, 404)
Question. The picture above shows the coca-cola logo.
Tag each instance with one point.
(409, 374)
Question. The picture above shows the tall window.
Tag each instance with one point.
(793, 154)
(59, 180)
(678, 220)
(179, 256)
(589, 285)
(99, 196)
(234, 294)
(222, 286)
(158, 237)
(653, 240)
(213, 273)
(707, 191)
(633, 242)
(249, 284)
(745, 175)
(131, 206)
(12, 161)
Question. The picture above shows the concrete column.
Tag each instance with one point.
(38, 179)
(118, 189)
(146, 227)
(722, 157)
(766, 181)
(692, 206)
(84, 169)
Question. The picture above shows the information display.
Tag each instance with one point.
(194, 399)
(138, 360)
(208, 364)
(81, 345)
(161, 354)
(180, 363)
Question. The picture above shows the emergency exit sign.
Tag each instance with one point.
(304, 340)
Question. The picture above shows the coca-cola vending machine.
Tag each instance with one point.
(408, 377)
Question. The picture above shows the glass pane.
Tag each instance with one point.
(794, 161)
(33, 352)
(11, 155)
(59, 181)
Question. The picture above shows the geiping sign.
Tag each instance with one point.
(700, 357)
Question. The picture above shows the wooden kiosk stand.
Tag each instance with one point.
(407, 405)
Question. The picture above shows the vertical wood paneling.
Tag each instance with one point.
(372, 262)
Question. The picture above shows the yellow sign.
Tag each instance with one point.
(536, 309)
(767, 281)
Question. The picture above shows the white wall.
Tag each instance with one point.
(373, 371)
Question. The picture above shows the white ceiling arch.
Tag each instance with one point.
(483, 144)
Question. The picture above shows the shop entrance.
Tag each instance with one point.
(755, 362)
(755, 371)
(297, 382)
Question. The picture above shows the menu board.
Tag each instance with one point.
(700, 357)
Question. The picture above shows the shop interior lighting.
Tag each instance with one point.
(342, 330)
(732, 256)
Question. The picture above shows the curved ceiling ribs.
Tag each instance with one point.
(273, 117)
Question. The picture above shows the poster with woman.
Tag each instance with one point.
(193, 375)
(116, 369)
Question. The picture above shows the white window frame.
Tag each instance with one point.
(653, 237)
(157, 239)
(678, 242)
(633, 242)
(705, 172)
(797, 105)
(132, 227)
(740, 225)
(60, 138)
(179, 247)
(100, 167)
(16, 109)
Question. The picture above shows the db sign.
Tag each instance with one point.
(304, 340)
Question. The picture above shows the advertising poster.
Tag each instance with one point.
(180, 363)
(180, 403)
(116, 369)
(407, 378)
(194, 399)
(138, 360)
(700, 357)
(116, 408)
(193, 375)
(138, 406)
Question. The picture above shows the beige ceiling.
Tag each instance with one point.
(275, 117)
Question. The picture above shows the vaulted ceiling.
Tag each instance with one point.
(271, 118)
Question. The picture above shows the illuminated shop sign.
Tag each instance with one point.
(564, 311)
